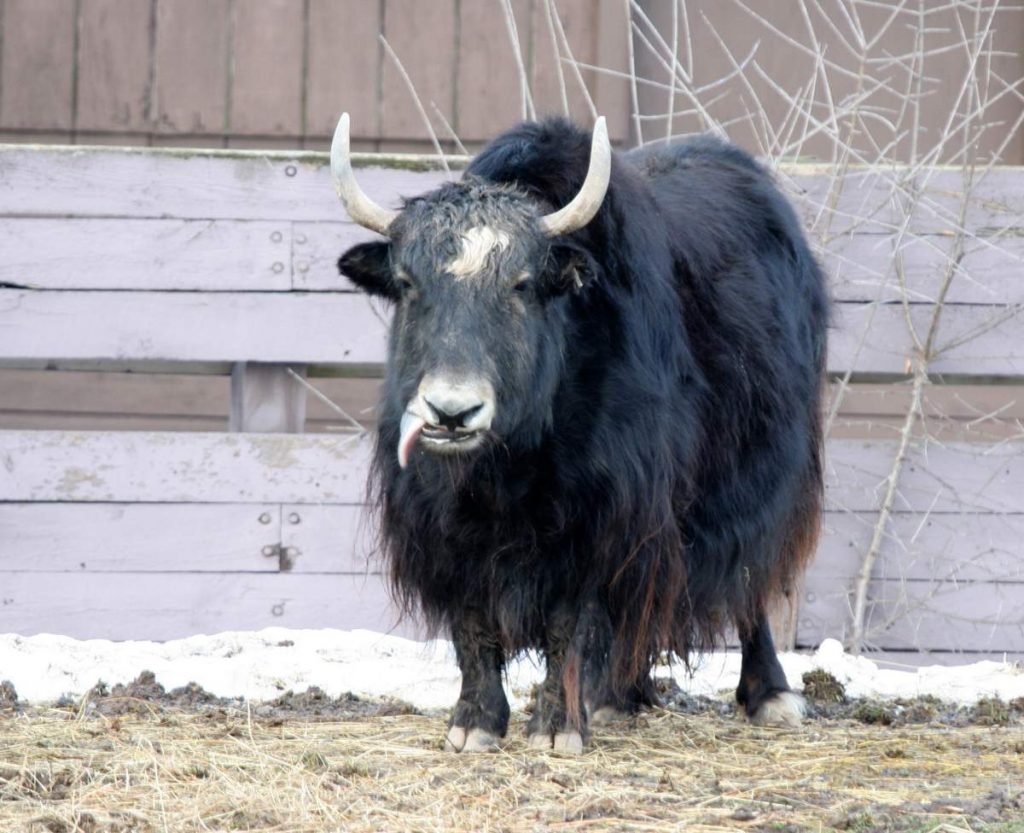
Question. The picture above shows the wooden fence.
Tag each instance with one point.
(275, 73)
(220, 265)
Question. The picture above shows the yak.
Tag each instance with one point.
(600, 428)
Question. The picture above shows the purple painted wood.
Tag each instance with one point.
(863, 268)
(336, 328)
(161, 606)
(924, 545)
(954, 477)
(158, 466)
(918, 615)
(172, 467)
(344, 328)
(190, 184)
(213, 255)
(85, 538)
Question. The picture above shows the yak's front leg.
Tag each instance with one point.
(559, 719)
(763, 691)
(481, 715)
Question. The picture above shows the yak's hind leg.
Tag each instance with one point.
(605, 704)
(559, 720)
(481, 715)
(763, 691)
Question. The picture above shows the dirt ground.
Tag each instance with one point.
(135, 759)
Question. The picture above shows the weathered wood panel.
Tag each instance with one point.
(972, 340)
(190, 72)
(423, 37)
(88, 466)
(864, 268)
(188, 184)
(343, 66)
(79, 397)
(339, 328)
(577, 19)
(37, 64)
(267, 398)
(140, 538)
(344, 328)
(316, 248)
(116, 38)
(212, 255)
(182, 468)
(162, 606)
(267, 35)
(924, 546)
(209, 185)
(255, 254)
(486, 76)
(957, 477)
(918, 615)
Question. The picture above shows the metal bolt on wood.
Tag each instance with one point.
(265, 518)
(290, 170)
(276, 237)
(294, 518)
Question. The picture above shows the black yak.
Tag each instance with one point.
(599, 434)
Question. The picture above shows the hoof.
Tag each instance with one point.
(570, 742)
(609, 714)
(784, 709)
(460, 739)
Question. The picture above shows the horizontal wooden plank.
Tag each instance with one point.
(145, 254)
(76, 253)
(182, 468)
(199, 185)
(187, 184)
(162, 606)
(920, 546)
(972, 340)
(95, 395)
(139, 538)
(954, 477)
(290, 468)
(316, 249)
(864, 267)
(343, 328)
(330, 538)
(876, 199)
(336, 328)
(918, 615)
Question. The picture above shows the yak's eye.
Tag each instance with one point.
(403, 280)
(523, 282)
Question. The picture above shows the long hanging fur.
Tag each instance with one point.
(674, 472)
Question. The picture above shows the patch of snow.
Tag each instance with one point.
(262, 665)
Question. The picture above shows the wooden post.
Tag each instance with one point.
(266, 398)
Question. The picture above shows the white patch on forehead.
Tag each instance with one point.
(477, 245)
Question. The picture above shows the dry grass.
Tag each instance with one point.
(176, 771)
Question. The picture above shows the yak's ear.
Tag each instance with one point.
(569, 269)
(368, 266)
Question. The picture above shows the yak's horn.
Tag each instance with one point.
(586, 203)
(360, 207)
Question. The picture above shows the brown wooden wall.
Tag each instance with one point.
(276, 73)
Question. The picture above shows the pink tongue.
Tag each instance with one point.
(410, 432)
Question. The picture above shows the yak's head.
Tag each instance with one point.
(475, 270)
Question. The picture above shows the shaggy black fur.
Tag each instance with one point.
(653, 472)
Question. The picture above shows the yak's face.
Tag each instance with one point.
(478, 332)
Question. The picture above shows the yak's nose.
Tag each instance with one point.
(461, 406)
